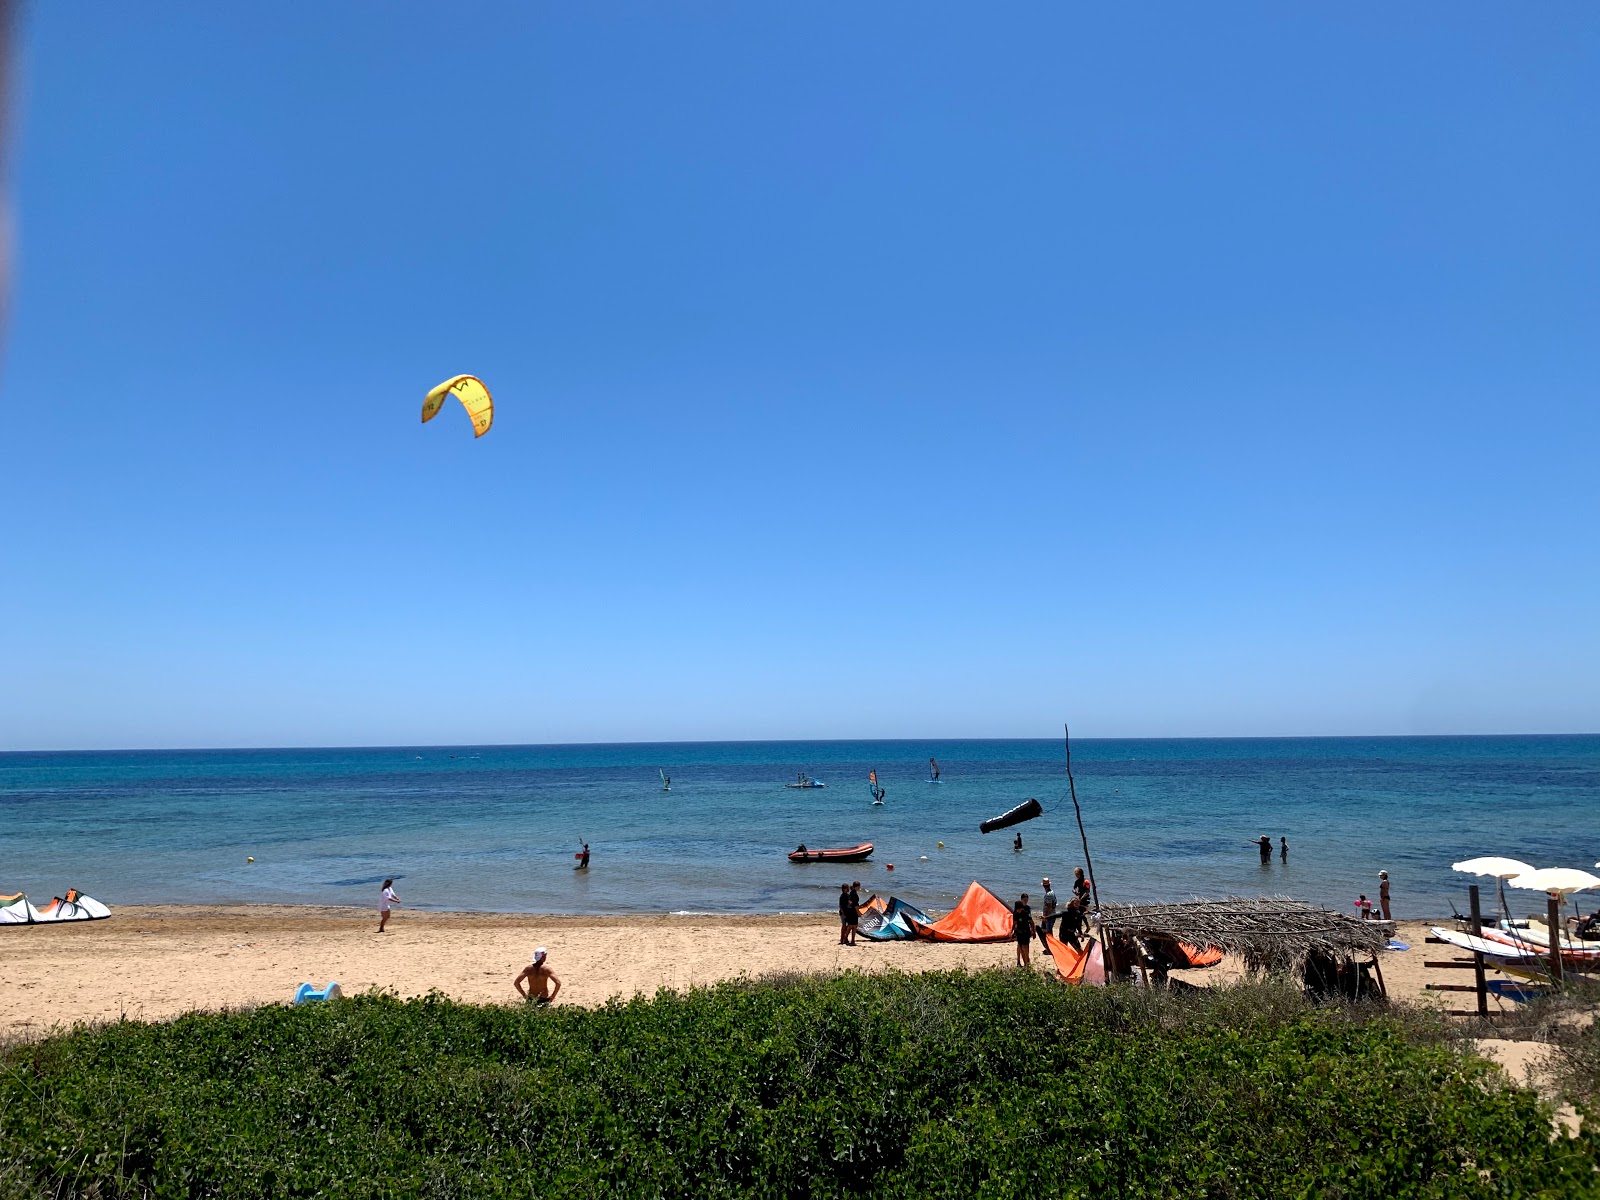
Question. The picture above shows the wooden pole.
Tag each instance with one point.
(1552, 916)
(1477, 958)
(1094, 888)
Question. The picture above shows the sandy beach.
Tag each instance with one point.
(154, 963)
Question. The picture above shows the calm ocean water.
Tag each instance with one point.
(495, 828)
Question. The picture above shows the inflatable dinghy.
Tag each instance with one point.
(848, 854)
(1026, 811)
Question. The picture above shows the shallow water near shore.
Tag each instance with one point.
(495, 828)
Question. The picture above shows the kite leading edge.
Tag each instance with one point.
(474, 397)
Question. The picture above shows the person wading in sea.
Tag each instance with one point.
(1383, 894)
(1264, 844)
(542, 984)
(1283, 849)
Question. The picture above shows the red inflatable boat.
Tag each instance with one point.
(851, 854)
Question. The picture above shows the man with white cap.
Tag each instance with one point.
(543, 986)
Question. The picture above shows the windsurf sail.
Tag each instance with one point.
(933, 769)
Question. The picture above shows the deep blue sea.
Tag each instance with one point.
(496, 827)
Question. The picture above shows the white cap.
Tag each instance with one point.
(540, 954)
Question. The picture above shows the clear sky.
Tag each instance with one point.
(861, 370)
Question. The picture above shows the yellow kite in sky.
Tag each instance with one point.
(474, 397)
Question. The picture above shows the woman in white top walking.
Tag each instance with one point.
(387, 899)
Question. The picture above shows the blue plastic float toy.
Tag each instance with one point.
(305, 992)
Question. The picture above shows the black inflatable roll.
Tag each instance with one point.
(1026, 811)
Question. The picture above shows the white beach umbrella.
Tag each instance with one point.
(1498, 868)
(1561, 881)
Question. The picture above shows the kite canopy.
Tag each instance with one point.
(980, 917)
(889, 920)
(1561, 880)
(1498, 868)
(474, 397)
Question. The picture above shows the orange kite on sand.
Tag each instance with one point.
(980, 917)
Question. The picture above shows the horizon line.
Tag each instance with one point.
(1247, 737)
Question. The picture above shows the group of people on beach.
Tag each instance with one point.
(1364, 907)
(849, 912)
(1072, 918)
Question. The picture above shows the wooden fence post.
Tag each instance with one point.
(1552, 918)
(1477, 956)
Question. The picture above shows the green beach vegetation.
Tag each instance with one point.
(1001, 1084)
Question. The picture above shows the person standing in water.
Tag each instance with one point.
(1264, 843)
(543, 986)
(386, 899)
(1016, 842)
(1283, 849)
(583, 857)
(934, 768)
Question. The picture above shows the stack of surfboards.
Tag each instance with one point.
(17, 909)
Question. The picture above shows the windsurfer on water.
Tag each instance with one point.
(934, 768)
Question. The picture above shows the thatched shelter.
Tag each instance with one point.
(1270, 933)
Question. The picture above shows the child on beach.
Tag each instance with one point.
(385, 901)
(1364, 907)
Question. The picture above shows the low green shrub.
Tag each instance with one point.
(997, 1084)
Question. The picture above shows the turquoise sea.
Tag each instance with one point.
(496, 827)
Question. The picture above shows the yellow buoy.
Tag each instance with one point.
(248, 859)
(941, 845)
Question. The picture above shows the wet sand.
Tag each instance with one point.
(153, 963)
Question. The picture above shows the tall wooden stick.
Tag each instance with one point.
(1477, 959)
(1094, 889)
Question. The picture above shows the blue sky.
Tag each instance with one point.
(865, 370)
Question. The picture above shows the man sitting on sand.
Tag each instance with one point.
(543, 986)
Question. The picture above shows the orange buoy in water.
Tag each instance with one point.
(888, 866)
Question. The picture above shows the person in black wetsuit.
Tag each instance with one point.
(583, 857)
(1022, 928)
(849, 914)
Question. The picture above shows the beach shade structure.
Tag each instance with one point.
(1269, 933)
(889, 920)
(1492, 866)
(981, 916)
(1558, 881)
(1499, 869)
